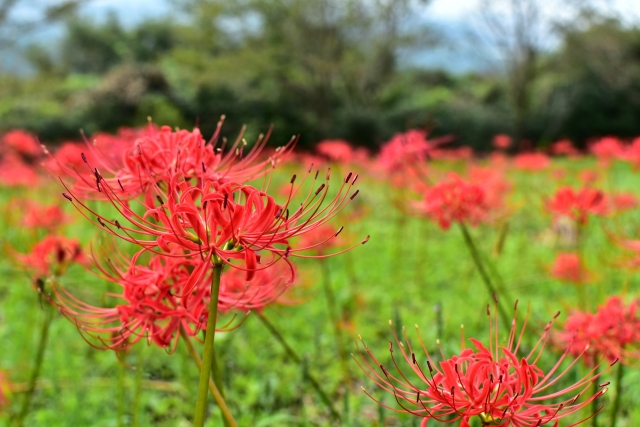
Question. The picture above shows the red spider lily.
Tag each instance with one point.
(220, 221)
(607, 149)
(568, 267)
(494, 384)
(21, 143)
(336, 150)
(588, 176)
(157, 156)
(454, 200)
(564, 147)
(502, 141)
(623, 201)
(494, 184)
(238, 294)
(150, 305)
(612, 331)
(531, 161)
(14, 172)
(452, 154)
(632, 153)
(52, 255)
(38, 216)
(577, 205)
(408, 148)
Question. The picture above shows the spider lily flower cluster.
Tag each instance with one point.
(151, 304)
(613, 331)
(491, 383)
(195, 215)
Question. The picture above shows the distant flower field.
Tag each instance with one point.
(161, 277)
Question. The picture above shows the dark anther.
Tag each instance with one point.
(418, 396)
(384, 371)
(100, 221)
(84, 158)
(495, 298)
(293, 179)
(355, 178)
(320, 189)
(354, 195)
(278, 212)
(339, 231)
(413, 357)
(429, 365)
(317, 172)
(159, 199)
(455, 367)
(203, 168)
(556, 316)
(390, 347)
(117, 223)
(488, 309)
(346, 180)
(515, 306)
(366, 240)
(121, 187)
(66, 196)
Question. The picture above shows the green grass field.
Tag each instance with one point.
(410, 271)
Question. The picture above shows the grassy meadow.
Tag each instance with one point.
(410, 271)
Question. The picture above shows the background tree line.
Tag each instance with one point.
(325, 69)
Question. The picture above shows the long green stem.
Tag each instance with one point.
(475, 255)
(137, 390)
(226, 414)
(594, 402)
(121, 391)
(335, 320)
(616, 402)
(297, 359)
(35, 373)
(207, 357)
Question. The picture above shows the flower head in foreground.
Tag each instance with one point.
(612, 331)
(151, 304)
(221, 221)
(156, 157)
(454, 200)
(497, 384)
(577, 205)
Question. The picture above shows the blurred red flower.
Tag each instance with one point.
(21, 143)
(52, 255)
(568, 267)
(502, 141)
(577, 205)
(531, 161)
(613, 331)
(454, 200)
(607, 149)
